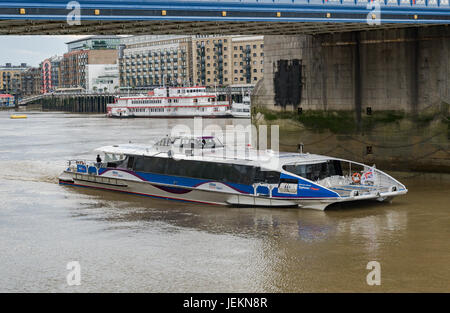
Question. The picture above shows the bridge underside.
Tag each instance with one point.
(44, 27)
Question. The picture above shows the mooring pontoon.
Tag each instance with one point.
(201, 169)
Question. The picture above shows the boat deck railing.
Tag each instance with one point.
(84, 166)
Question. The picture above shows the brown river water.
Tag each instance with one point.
(127, 243)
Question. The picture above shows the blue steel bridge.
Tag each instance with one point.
(223, 16)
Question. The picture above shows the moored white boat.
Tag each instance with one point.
(202, 170)
(170, 102)
(241, 110)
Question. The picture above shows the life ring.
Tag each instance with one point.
(356, 178)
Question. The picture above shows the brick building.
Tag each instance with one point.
(10, 77)
(156, 60)
(31, 81)
(51, 74)
(227, 60)
(75, 69)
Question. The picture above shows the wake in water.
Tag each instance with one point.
(32, 171)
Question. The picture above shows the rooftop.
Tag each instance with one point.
(248, 156)
(94, 37)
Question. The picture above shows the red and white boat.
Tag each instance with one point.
(172, 102)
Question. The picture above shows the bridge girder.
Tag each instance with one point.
(220, 16)
(44, 27)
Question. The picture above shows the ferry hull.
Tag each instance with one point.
(186, 194)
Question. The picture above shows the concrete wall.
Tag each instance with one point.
(101, 76)
(403, 69)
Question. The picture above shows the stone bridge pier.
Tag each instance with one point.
(379, 95)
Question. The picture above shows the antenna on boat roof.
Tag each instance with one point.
(300, 148)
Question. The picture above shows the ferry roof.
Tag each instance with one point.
(238, 156)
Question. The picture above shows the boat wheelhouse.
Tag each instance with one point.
(172, 102)
(203, 170)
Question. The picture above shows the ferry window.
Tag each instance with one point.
(270, 177)
(108, 157)
(139, 164)
(214, 171)
(150, 165)
(316, 171)
(130, 162)
(233, 173)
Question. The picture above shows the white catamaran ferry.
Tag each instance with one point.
(170, 102)
(195, 169)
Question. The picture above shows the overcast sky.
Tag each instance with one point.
(32, 49)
